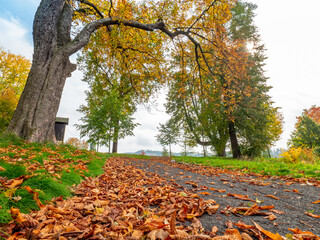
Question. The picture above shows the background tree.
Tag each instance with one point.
(55, 40)
(307, 129)
(168, 134)
(233, 102)
(13, 75)
(108, 117)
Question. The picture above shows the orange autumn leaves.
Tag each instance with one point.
(116, 205)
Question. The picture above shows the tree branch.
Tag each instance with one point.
(93, 6)
(200, 16)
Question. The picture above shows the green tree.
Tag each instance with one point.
(257, 122)
(233, 102)
(108, 117)
(13, 75)
(306, 133)
(168, 134)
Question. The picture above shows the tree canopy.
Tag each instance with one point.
(307, 129)
(232, 102)
(13, 75)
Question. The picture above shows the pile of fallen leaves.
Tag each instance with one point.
(128, 203)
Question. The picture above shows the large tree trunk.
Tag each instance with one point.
(34, 117)
(236, 153)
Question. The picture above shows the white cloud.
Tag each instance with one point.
(14, 37)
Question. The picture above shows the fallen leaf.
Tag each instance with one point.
(16, 215)
(204, 193)
(16, 182)
(267, 233)
(245, 236)
(312, 215)
(271, 196)
(241, 197)
(214, 230)
(229, 224)
(271, 217)
(234, 233)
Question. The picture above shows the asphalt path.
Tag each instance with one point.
(291, 199)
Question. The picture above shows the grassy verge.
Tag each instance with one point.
(32, 172)
(273, 167)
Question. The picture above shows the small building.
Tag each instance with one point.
(59, 128)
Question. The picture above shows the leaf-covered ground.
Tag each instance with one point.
(131, 201)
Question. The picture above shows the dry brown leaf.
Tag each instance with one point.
(229, 224)
(272, 196)
(316, 202)
(212, 209)
(312, 215)
(137, 234)
(241, 197)
(196, 224)
(234, 233)
(267, 233)
(214, 230)
(298, 234)
(35, 196)
(271, 217)
(16, 215)
(16, 182)
(245, 236)
(204, 193)
(277, 211)
(158, 234)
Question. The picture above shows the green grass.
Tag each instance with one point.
(12, 170)
(274, 167)
(10, 139)
(48, 185)
(95, 166)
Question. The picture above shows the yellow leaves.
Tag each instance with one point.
(14, 70)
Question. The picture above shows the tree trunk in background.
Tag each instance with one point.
(221, 152)
(115, 137)
(236, 153)
(115, 146)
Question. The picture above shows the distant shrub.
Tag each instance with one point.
(295, 155)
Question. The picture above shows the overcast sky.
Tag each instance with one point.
(289, 29)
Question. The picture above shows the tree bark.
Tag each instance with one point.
(236, 153)
(115, 137)
(115, 146)
(34, 117)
